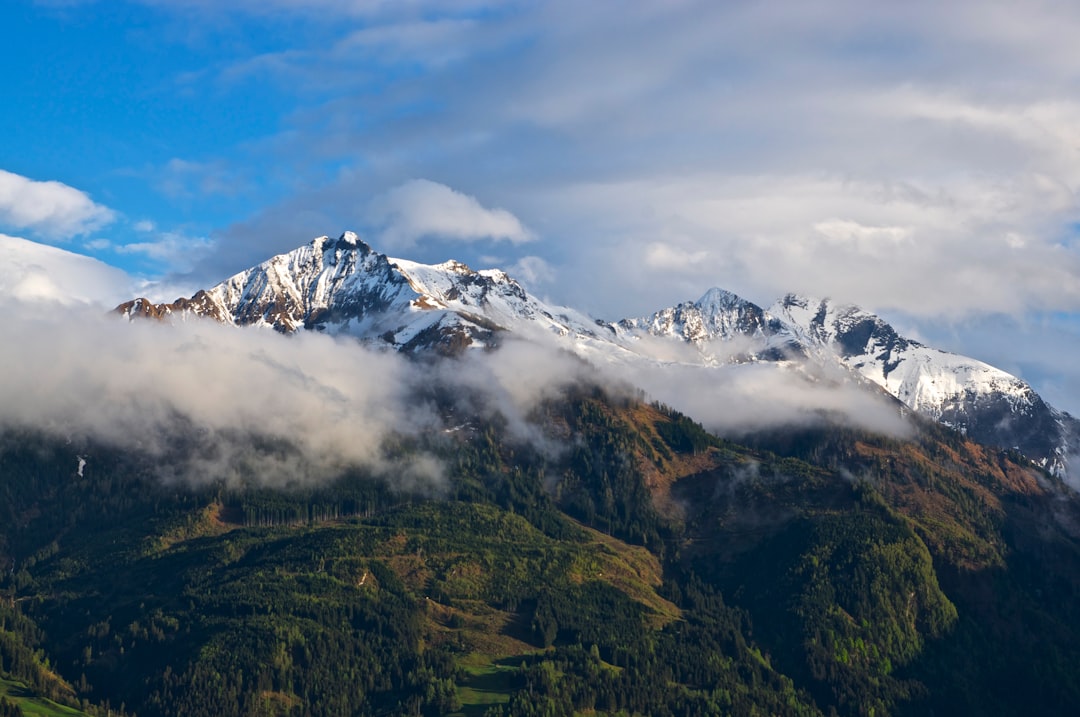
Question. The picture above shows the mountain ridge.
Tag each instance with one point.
(343, 286)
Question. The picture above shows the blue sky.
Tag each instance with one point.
(920, 159)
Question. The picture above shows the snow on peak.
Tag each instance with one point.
(984, 402)
(717, 300)
(717, 315)
(344, 286)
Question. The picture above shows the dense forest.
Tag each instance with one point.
(646, 567)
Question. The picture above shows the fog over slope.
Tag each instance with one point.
(252, 404)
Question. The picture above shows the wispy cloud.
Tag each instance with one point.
(424, 209)
(258, 406)
(205, 402)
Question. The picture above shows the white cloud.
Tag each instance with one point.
(51, 209)
(435, 43)
(962, 247)
(84, 375)
(737, 400)
(35, 272)
(98, 244)
(659, 255)
(421, 208)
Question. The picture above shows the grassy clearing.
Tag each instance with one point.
(33, 706)
(486, 683)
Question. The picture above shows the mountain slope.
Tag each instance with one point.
(559, 584)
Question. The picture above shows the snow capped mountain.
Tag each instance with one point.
(343, 286)
(927, 380)
(986, 403)
(983, 402)
(718, 314)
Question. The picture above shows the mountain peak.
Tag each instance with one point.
(802, 301)
(718, 314)
(348, 241)
(344, 286)
(716, 299)
(455, 266)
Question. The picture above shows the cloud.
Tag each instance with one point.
(251, 405)
(736, 399)
(202, 402)
(421, 208)
(739, 399)
(324, 10)
(51, 209)
(668, 134)
(34, 272)
(666, 257)
(434, 43)
(664, 137)
(918, 155)
(970, 247)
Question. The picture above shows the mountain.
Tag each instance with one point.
(983, 402)
(343, 286)
(719, 316)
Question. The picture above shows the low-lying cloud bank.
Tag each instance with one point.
(738, 400)
(734, 397)
(248, 404)
(209, 402)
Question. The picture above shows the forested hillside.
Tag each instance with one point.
(629, 563)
